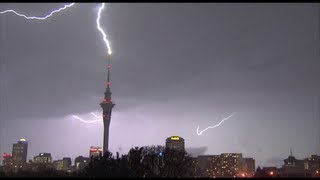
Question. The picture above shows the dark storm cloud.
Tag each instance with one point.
(196, 151)
(174, 67)
(276, 161)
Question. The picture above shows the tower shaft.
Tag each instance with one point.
(107, 106)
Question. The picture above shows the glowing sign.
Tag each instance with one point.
(175, 138)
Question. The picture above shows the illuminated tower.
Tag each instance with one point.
(107, 106)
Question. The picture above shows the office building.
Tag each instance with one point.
(248, 167)
(95, 151)
(43, 158)
(81, 162)
(19, 152)
(230, 164)
(175, 142)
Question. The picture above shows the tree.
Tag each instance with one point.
(177, 163)
(148, 161)
(107, 166)
(156, 161)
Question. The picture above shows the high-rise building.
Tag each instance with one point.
(107, 106)
(63, 164)
(81, 162)
(95, 151)
(175, 142)
(230, 164)
(312, 163)
(19, 152)
(294, 167)
(225, 165)
(248, 167)
(208, 166)
(66, 163)
(58, 165)
(43, 158)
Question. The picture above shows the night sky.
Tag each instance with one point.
(174, 67)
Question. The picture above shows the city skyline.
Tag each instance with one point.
(171, 72)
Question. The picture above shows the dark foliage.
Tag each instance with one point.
(149, 161)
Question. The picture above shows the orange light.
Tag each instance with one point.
(271, 173)
(243, 175)
(317, 172)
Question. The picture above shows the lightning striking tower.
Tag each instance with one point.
(107, 106)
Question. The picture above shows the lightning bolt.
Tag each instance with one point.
(38, 18)
(224, 119)
(101, 30)
(96, 116)
(104, 38)
(84, 121)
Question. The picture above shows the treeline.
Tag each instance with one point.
(148, 161)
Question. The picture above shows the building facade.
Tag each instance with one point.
(230, 164)
(58, 165)
(248, 167)
(19, 152)
(62, 164)
(81, 162)
(95, 151)
(208, 166)
(312, 163)
(294, 168)
(43, 158)
(225, 165)
(66, 164)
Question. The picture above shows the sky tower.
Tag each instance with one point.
(107, 106)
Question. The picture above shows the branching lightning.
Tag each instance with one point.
(104, 37)
(101, 30)
(84, 121)
(96, 116)
(224, 119)
(38, 18)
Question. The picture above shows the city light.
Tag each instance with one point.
(175, 138)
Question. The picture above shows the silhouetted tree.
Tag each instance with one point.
(177, 163)
(148, 161)
(107, 166)
(156, 161)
